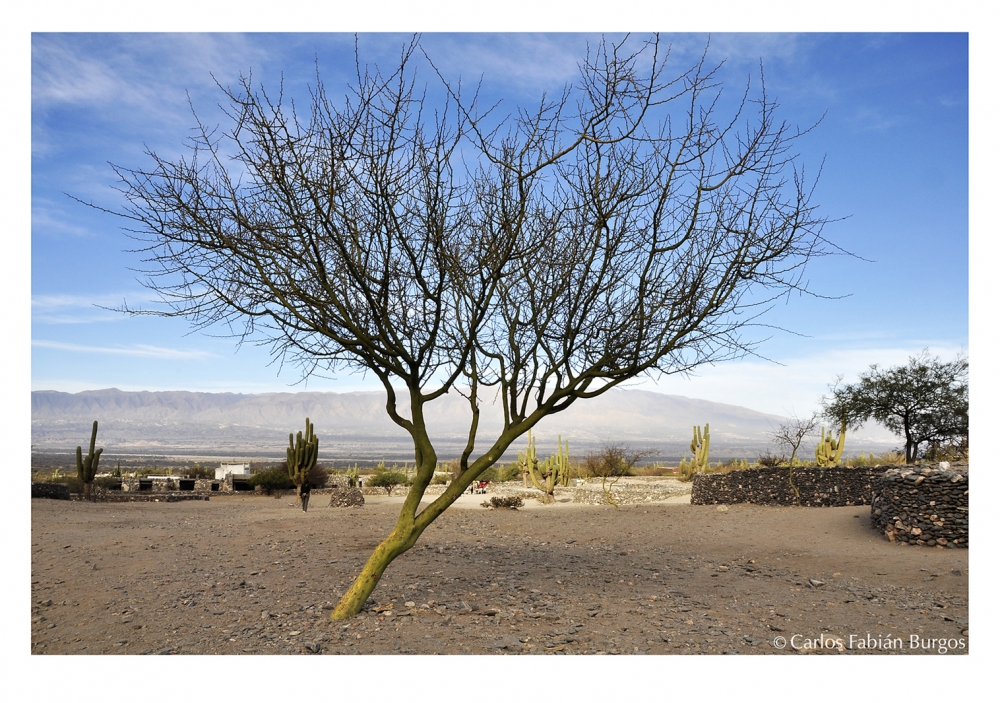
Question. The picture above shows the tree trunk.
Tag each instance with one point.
(911, 449)
(399, 541)
(86, 491)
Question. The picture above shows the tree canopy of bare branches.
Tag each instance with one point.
(622, 228)
(791, 433)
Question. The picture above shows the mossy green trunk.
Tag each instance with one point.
(391, 547)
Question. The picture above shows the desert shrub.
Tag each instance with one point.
(198, 471)
(318, 476)
(885, 459)
(509, 472)
(769, 459)
(387, 480)
(108, 483)
(652, 470)
(74, 483)
(504, 502)
(439, 479)
(274, 479)
(686, 470)
(502, 472)
(955, 450)
(452, 467)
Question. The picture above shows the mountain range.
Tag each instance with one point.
(356, 426)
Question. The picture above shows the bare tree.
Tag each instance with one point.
(611, 462)
(790, 434)
(620, 229)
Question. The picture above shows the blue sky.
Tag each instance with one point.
(893, 145)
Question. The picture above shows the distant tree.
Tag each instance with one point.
(198, 471)
(623, 228)
(611, 462)
(791, 433)
(614, 459)
(387, 480)
(273, 479)
(318, 476)
(925, 402)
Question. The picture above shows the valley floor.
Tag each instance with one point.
(256, 575)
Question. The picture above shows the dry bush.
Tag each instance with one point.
(652, 470)
(318, 476)
(891, 458)
(504, 502)
(769, 459)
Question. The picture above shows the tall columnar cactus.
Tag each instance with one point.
(564, 468)
(828, 451)
(699, 447)
(302, 453)
(86, 467)
(549, 473)
(527, 459)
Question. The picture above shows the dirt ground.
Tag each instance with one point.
(256, 575)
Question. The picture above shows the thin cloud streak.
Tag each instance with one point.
(794, 388)
(143, 350)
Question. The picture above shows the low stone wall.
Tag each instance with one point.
(925, 507)
(145, 497)
(817, 486)
(434, 489)
(57, 491)
(628, 490)
(132, 484)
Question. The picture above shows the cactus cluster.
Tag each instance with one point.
(548, 474)
(86, 467)
(302, 453)
(699, 447)
(828, 451)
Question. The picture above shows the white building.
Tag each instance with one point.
(234, 469)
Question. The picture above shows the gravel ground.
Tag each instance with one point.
(256, 575)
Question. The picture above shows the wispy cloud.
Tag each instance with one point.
(140, 350)
(75, 309)
(796, 386)
(49, 220)
(873, 119)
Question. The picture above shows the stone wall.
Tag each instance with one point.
(628, 490)
(174, 485)
(58, 491)
(126, 497)
(817, 486)
(345, 497)
(923, 506)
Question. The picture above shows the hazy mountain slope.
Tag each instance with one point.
(227, 423)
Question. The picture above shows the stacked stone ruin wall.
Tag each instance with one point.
(57, 491)
(923, 507)
(775, 485)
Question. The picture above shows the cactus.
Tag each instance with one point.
(549, 473)
(86, 467)
(686, 470)
(527, 458)
(561, 461)
(828, 452)
(352, 476)
(302, 453)
(699, 447)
